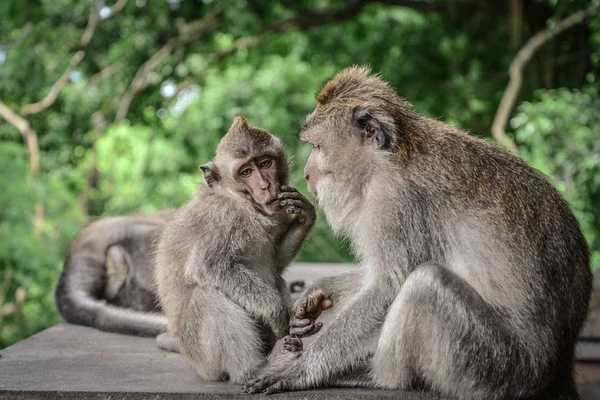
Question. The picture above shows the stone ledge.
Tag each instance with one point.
(75, 362)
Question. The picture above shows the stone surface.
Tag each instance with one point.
(588, 350)
(75, 362)
(591, 329)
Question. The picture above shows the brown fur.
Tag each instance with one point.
(475, 276)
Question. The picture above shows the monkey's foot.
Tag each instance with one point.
(293, 344)
(291, 379)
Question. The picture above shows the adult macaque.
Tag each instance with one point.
(106, 282)
(475, 277)
(220, 261)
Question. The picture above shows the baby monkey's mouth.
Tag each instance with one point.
(269, 201)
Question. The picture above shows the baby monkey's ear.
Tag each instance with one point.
(211, 174)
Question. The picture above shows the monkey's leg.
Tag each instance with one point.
(359, 378)
(117, 269)
(219, 338)
(440, 332)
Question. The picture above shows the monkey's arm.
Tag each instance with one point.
(285, 293)
(292, 202)
(349, 339)
(249, 291)
(292, 243)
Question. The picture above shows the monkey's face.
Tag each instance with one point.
(260, 178)
(251, 163)
(342, 150)
(321, 163)
(341, 162)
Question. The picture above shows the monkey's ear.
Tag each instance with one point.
(211, 174)
(374, 130)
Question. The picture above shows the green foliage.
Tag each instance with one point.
(559, 134)
(91, 167)
(29, 264)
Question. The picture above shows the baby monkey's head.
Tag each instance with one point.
(251, 162)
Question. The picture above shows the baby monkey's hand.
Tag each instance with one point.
(292, 202)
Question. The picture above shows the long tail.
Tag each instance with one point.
(77, 299)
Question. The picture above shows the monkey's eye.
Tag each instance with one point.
(246, 172)
(266, 163)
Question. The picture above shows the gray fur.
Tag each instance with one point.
(220, 261)
(106, 282)
(475, 277)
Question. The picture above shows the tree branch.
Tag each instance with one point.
(106, 73)
(33, 148)
(197, 29)
(77, 58)
(187, 33)
(50, 98)
(28, 133)
(23, 125)
(117, 7)
(306, 19)
(140, 80)
(463, 6)
(91, 25)
(518, 65)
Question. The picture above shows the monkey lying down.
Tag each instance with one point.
(106, 282)
(220, 260)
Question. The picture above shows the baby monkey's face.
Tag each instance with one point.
(261, 178)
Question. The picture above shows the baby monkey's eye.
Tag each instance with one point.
(246, 172)
(266, 163)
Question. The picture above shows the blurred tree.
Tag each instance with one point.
(109, 107)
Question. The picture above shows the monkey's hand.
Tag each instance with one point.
(305, 312)
(292, 202)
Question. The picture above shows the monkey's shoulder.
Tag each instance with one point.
(217, 226)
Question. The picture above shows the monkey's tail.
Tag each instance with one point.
(77, 304)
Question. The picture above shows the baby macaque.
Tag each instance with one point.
(220, 260)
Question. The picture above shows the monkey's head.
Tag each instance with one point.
(360, 125)
(249, 162)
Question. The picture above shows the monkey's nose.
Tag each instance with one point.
(306, 176)
(265, 185)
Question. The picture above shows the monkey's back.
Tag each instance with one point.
(510, 233)
(81, 294)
